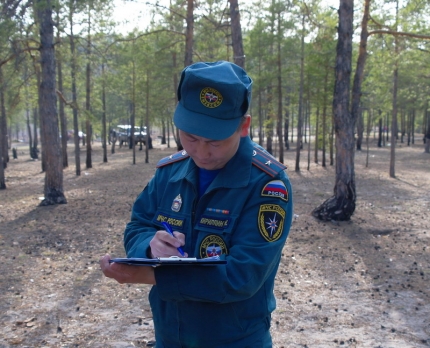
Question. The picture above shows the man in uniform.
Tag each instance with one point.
(223, 195)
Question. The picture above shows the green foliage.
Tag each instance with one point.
(141, 65)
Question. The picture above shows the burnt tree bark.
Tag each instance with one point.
(341, 205)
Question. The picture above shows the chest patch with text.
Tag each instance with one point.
(174, 222)
(214, 222)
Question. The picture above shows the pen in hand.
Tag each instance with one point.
(170, 231)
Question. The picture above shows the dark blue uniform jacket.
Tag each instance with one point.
(245, 217)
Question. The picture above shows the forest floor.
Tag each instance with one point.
(362, 283)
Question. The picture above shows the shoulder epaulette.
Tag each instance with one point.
(178, 156)
(266, 162)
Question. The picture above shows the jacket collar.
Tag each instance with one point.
(235, 174)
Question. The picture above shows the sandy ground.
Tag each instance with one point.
(362, 283)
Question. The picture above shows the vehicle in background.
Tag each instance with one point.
(122, 134)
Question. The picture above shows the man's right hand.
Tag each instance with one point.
(163, 244)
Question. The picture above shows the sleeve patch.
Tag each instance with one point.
(275, 188)
(271, 221)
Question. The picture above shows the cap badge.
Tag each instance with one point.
(210, 97)
(177, 203)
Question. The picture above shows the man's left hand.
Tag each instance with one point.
(127, 273)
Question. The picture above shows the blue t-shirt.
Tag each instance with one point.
(205, 179)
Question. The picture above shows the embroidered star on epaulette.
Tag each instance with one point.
(268, 163)
(171, 156)
(254, 153)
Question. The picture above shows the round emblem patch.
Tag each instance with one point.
(212, 245)
(271, 221)
(210, 97)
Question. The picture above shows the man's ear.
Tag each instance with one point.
(245, 126)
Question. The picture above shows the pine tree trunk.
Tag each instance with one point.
(105, 159)
(88, 126)
(3, 123)
(63, 119)
(62, 114)
(53, 189)
(148, 135)
(179, 146)
(133, 108)
(332, 142)
(324, 120)
(73, 70)
(402, 125)
(35, 150)
(236, 34)
(392, 170)
(2, 176)
(2, 136)
(279, 73)
(300, 115)
(260, 114)
(360, 129)
(369, 122)
(341, 206)
(30, 137)
(317, 121)
(189, 35)
(286, 130)
(356, 112)
(380, 133)
(41, 120)
(427, 134)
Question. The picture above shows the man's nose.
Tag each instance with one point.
(203, 150)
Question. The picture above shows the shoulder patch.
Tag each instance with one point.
(266, 162)
(178, 156)
(275, 188)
